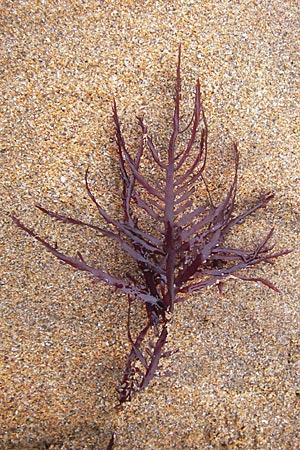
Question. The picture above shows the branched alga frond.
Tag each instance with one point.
(186, 253)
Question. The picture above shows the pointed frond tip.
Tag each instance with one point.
(177, 247)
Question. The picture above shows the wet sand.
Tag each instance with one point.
(63, 339)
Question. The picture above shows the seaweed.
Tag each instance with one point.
(184, 249)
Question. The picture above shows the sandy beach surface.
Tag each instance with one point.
(235, 381)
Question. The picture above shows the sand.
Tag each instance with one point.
(63, 339)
